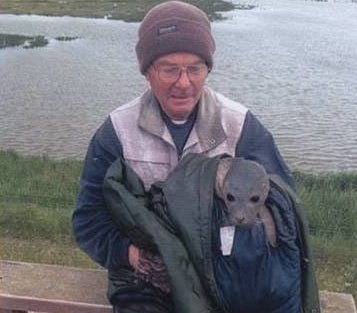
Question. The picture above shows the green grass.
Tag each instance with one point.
(129, 10)
(330, 202)
(37, 197)
(336, 264)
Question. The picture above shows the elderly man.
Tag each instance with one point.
(178, 115)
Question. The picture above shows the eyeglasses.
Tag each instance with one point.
(171, 74)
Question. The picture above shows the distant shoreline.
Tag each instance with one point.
(132, 11)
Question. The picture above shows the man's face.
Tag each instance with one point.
(177, 80)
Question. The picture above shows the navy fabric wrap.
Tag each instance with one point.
(256, 277)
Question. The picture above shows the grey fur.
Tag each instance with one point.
(243, 185)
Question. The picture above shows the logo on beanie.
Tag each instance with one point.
(167, 29)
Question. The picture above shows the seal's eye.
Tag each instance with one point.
(230, 197)
(254, 198)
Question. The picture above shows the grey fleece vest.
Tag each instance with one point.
(148, 147)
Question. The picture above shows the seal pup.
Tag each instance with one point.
(243, 185)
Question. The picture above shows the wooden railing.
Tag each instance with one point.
(29, 287)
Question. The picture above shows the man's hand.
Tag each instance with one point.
(133, 256)
(149, 267)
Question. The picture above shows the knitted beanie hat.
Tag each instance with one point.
(171, 27)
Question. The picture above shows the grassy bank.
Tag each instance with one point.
(130, 10)
(36, 201)
(330, 202)
(37, 197)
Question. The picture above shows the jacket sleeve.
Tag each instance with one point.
(257, 144)
(93, 229)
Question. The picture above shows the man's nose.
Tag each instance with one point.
(183, 80)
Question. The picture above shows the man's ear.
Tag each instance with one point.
(148, 73)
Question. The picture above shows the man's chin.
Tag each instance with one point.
(180, 109)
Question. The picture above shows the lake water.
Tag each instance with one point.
(293, 63)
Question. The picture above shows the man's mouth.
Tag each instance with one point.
(181, 97)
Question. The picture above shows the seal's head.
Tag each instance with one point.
(243, 185)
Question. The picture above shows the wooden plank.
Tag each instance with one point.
(334, 302)
(53, 282)
(52, 288)
(10, 311)
(59, 289)
(50, 305)
(331, 302)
